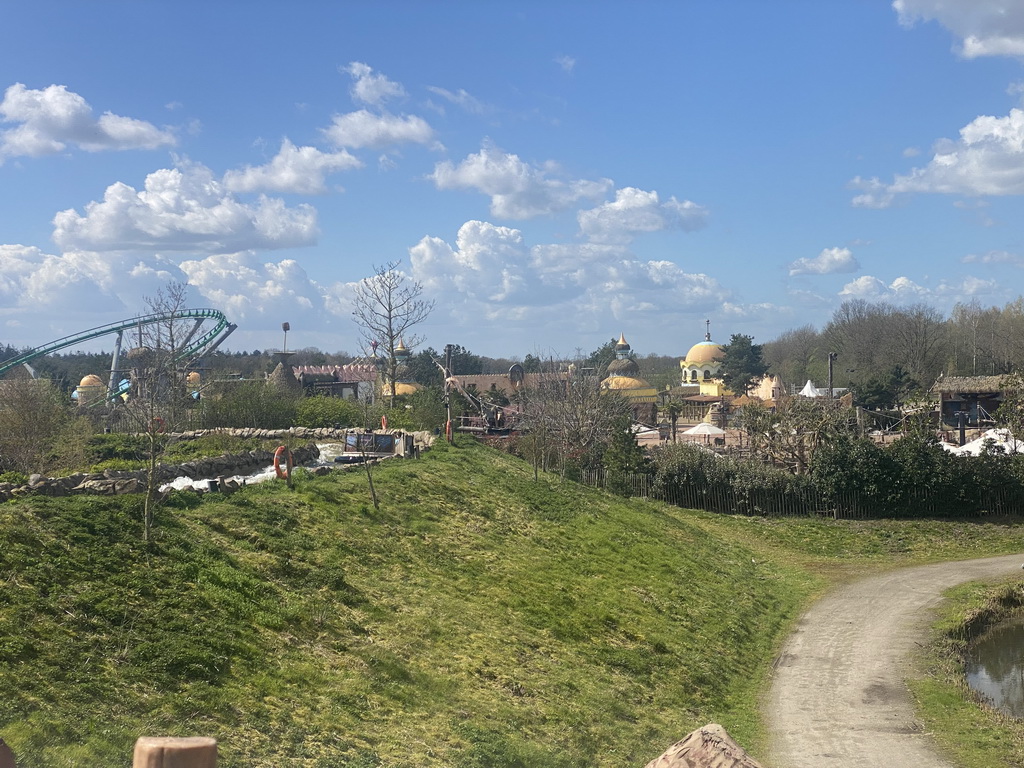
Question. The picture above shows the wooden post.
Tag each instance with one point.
(168, 752)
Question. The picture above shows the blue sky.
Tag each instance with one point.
(553, 174)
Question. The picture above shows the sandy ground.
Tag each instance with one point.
(838, 699)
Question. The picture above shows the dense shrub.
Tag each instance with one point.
(320, 411)
(913, 477)
(249, 404)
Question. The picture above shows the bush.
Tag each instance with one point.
(251, 404)
(321, 411)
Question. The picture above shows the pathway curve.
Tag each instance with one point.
(838, 699)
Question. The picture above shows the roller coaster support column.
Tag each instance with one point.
(115, 368)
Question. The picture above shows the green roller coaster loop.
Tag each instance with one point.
(193, 348)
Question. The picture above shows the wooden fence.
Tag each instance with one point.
(155, 752)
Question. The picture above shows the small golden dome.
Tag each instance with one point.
(193, 379)
(91, 380)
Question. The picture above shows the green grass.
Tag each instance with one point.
(479, 618)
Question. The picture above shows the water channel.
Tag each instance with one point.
(328, 453)
(995, 667)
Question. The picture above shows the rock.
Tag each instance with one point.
(707, 747)
(129, 485)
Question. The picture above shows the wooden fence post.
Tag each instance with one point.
(167, 752)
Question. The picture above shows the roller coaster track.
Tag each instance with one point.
(193, 347)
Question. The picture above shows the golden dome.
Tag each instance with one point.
(91, 380)
(624, 382)
(193, 379)
(705, 352)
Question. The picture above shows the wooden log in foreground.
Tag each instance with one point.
(167, 752)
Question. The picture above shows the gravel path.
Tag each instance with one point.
(838, 699)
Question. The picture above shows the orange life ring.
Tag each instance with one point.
(286, 471)
(384, 421)
(158, 425)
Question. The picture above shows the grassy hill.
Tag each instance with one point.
(478, 619)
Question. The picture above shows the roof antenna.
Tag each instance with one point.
(707, 333)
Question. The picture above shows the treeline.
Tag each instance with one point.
(886, 353)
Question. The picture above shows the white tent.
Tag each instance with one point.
(810, 390)
(704, 429)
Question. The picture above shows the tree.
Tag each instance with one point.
(158, 396)
(743, 364)
(33, 419)
(797, 355)
(387, 306)
(790, 433)
(570, 417)
(601, 358)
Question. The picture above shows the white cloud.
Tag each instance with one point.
(988, 159)
(298, 170)
(830, 261)
(250, 290)
(567, 63)
(461, 98)
(871, 288)
(370, 87)
(365, 129)
(42, 287)
(985, 27)
(635, 211)
(51, 119)
(903, 290)
(995, 257)
(46, 296)
(182, 209)
(491, 273)
(517, 190)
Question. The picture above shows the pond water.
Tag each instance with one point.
(995, 667)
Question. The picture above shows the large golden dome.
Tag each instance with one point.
(705, 352)
(91, 380)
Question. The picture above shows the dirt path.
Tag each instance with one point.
(838, 699)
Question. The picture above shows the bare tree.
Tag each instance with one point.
(156, 403)
(387, 306)
(569, 415)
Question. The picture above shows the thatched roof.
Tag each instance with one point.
(969, 384)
